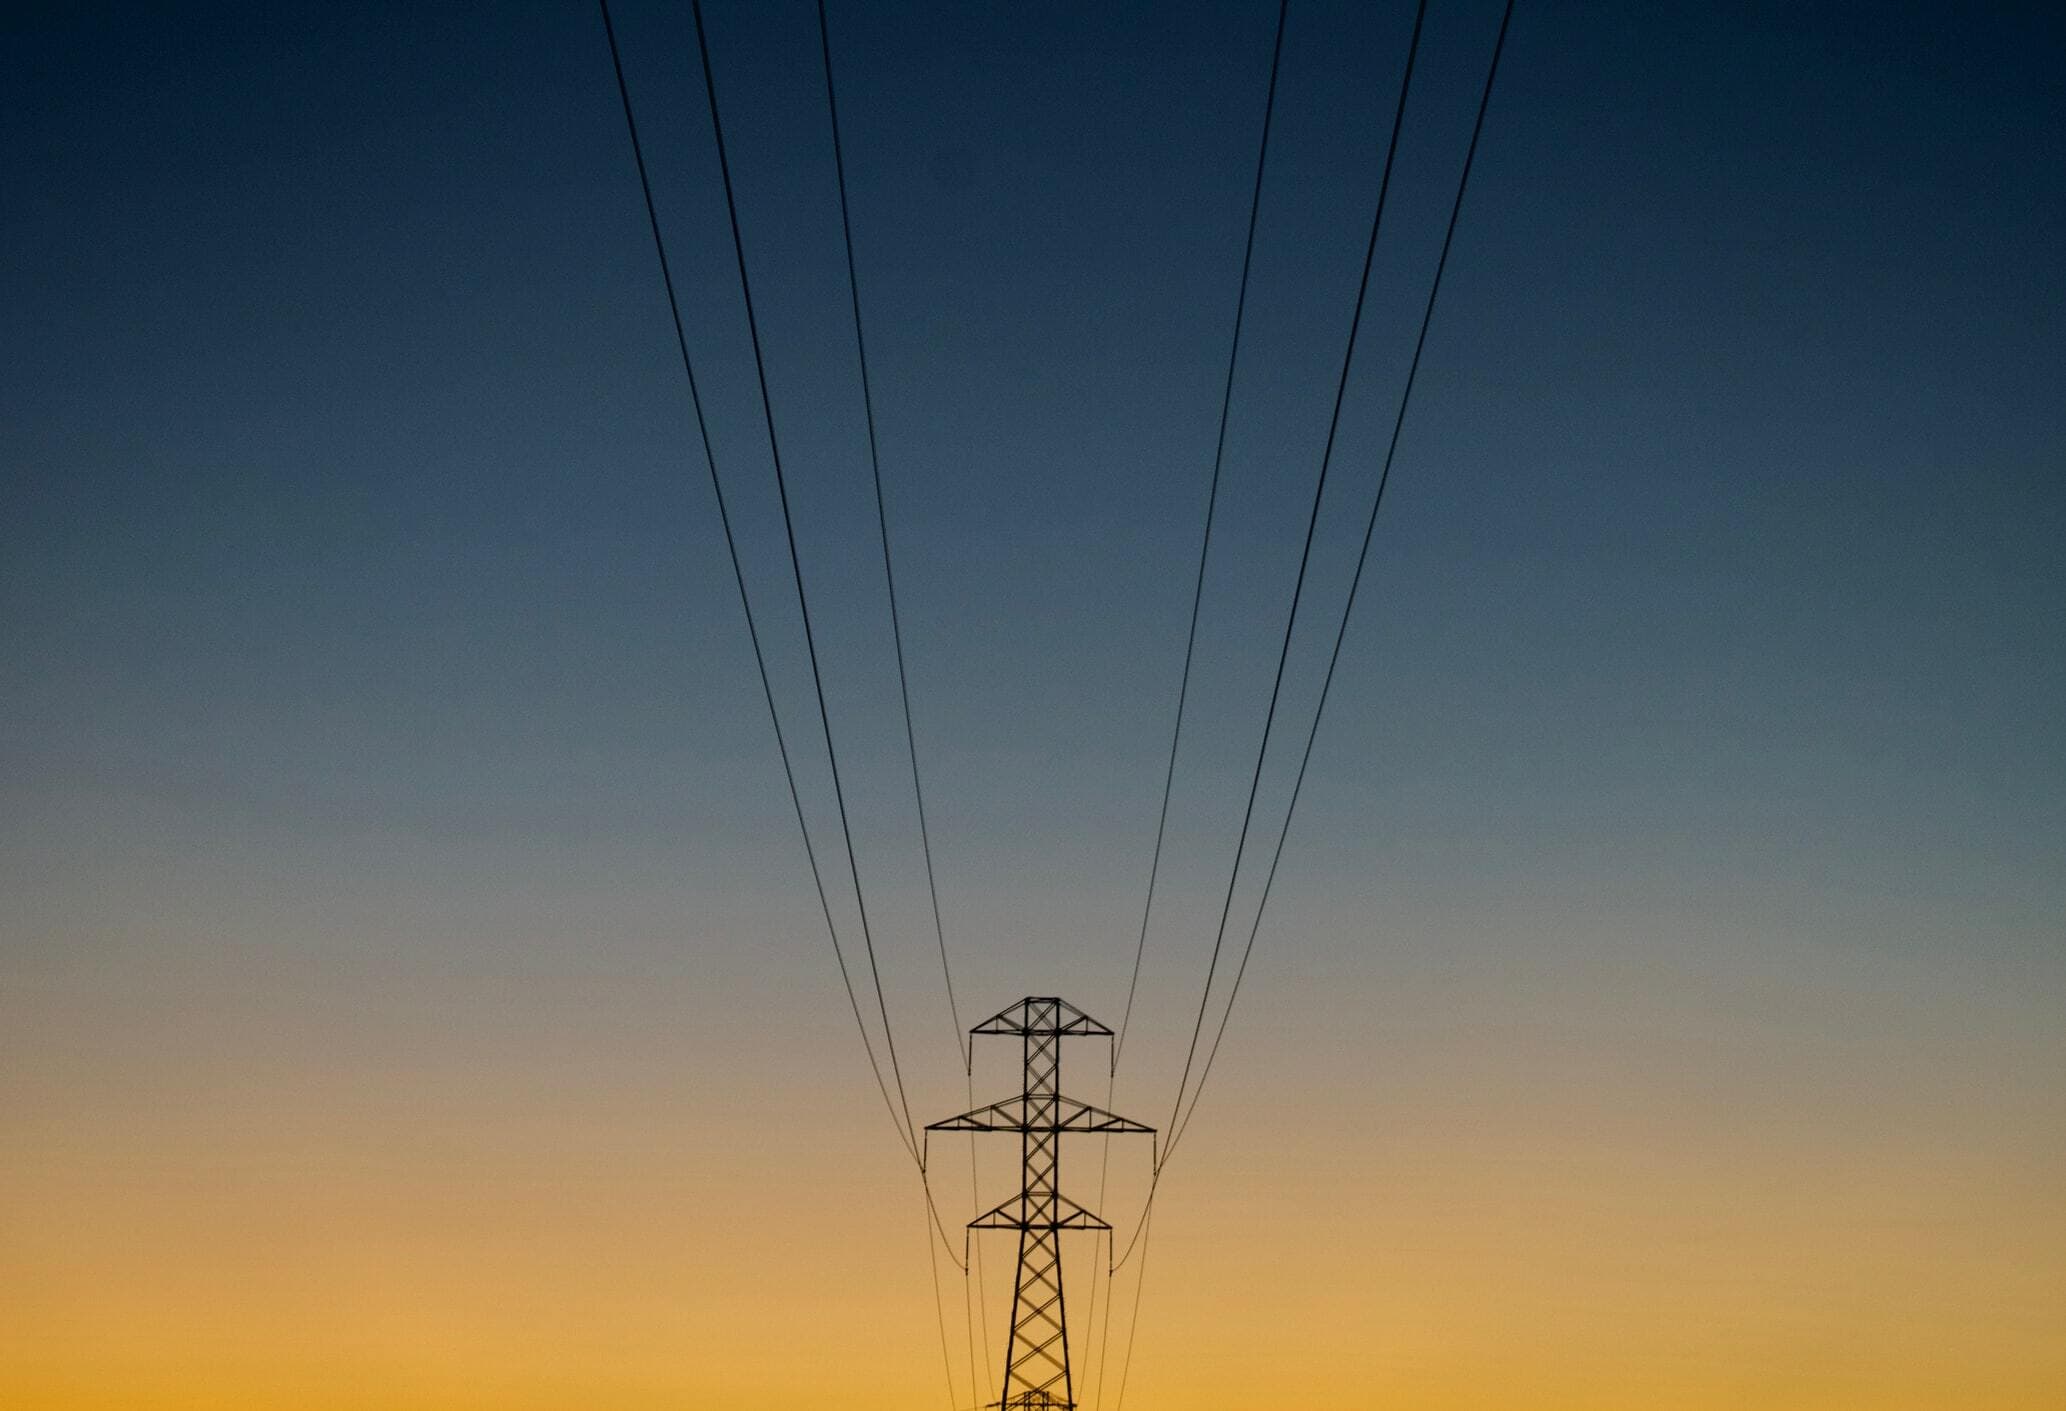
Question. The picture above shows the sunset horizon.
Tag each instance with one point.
(1373, 716)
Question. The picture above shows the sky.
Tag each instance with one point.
(412, 994)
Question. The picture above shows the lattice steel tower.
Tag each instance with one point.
(1036, 1357)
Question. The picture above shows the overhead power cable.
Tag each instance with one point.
(767, 408)
(911, 1148)
(724, 520)
(962, 1044)
(940, 1315)
(1219, 454)
(1104, 1362)
(1140, 1278)
(1362, 558)
(1305, 554)
(1341, 630)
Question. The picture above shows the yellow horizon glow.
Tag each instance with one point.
(1525, 1201)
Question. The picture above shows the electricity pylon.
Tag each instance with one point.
(1036, 1357)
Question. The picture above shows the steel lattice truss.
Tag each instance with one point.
(1036, 1358)
(1054, 1114)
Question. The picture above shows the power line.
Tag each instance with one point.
(1362, 557)
(767, 409)
(739, 578)
(846, 230)
(940, 1314)
(1305, 554)
(972, 1252)
(1140, 1278)
(1181, 1115)
(1105, 1332)
(1091, 1348)
(753, 633)
(1219, 452)
(963, 1047)
(1398, 422)
(968, 1319)
(1147, 1211)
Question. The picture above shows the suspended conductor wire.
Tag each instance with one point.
(724, 519)
(767, 408)
(752, 630)
(1219, 453)
(974, 1256)
(1362, 557)
(940, 1313)
(1305, 554)
(1105, 1331)
(968, 1317)
(1398, 422)
(962, 1044)
(1133, 1328)
(1090, 1341)
(946, 1244)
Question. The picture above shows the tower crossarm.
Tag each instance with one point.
(1040, 1114)
(1038, 1211)
(1050, 1018)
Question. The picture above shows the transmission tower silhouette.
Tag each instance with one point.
(1036, 1354)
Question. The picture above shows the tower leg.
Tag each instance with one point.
(1037, 1360)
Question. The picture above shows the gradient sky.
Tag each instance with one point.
(411, 993)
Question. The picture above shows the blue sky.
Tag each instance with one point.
(369, 635)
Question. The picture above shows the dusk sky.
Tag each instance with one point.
(412, 992)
